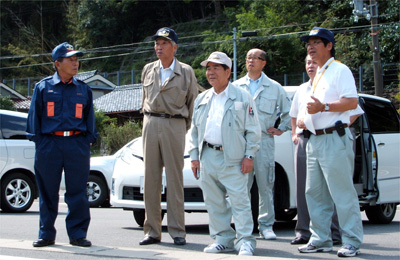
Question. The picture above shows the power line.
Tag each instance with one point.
(181, 45)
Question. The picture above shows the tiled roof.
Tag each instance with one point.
(122, 99)
(85, 75)
(22, 104)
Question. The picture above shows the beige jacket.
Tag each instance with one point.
(175, 97)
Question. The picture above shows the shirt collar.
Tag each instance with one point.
(172, 66)
(248, 79)
(57, 79)
(325, 65)
(225, 92)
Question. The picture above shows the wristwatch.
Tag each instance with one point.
(249, 157)
(326, 107)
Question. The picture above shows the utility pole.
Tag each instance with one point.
(234, 55)
(360, 10)
(378, 81)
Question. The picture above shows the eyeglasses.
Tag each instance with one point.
(313, 44)
(249, 58)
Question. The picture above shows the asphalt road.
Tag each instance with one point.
(115, 235)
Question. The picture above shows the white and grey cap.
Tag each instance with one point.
(218, 57)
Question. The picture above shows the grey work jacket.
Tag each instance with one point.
(240, 128)
(270, 98)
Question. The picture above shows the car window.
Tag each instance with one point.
(13, 127)
(382, 116)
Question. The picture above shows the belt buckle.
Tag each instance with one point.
(67, 133)
(162, 115)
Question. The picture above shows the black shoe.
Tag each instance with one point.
(43, 242)
(299, 241)
(149, 241)
(83, 242)
(180, 241)
(337, 242)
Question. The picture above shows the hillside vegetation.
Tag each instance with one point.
(116, 35)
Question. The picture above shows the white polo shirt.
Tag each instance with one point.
(299, 102)
(333, 82)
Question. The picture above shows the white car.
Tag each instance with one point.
(17, 154)
(376, 176)
(18, 187)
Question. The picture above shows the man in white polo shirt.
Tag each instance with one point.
(330, 155)
(225, 136)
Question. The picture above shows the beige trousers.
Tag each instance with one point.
(163, 146)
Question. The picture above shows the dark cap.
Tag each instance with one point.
(321, 33)
(65, 50)
(167, 33)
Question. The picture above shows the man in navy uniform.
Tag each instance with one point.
(61, 123)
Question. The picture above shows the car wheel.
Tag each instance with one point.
(139, 216)
(285, 214)
(96, 191)
(17, 193)
(382, 213)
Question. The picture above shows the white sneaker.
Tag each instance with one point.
(268, 234)
(217, 248)
(310, 248)
(348, 250)
(246, 249)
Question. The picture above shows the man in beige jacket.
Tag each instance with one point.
(169, 90)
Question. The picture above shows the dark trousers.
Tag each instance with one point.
(53, 155)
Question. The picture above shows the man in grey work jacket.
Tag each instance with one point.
(270, 98)
(169, 90)
(225, 137)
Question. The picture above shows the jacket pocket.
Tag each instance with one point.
(267, 105)
(50, 108)
(78, 110)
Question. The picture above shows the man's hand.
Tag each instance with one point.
(301, 124)
(247, 166)
(195, 167)
(273, 131)
(295, 138)
(315, 107)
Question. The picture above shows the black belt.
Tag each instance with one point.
(215, 147)
(163, 115)
(327, 130)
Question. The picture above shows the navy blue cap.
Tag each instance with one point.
(167, 33)
(65, 50)
(321, 33)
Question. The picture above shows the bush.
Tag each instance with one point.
(102, 121)
(117, 136)
(6, 103)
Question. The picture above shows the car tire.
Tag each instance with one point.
(97, 191)
(17, 193)
(382, 213)
(140, 215)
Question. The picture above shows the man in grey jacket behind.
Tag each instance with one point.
(270, 98)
